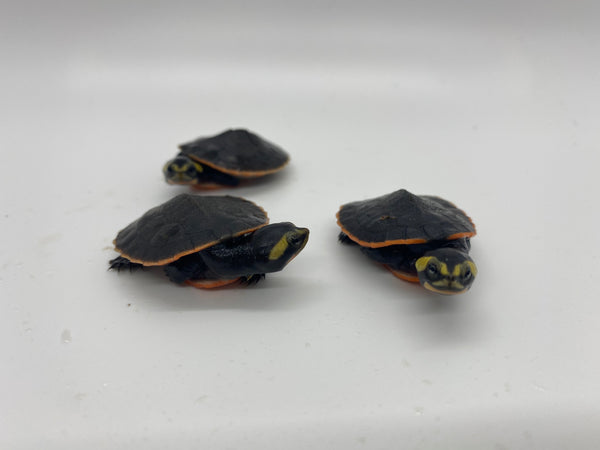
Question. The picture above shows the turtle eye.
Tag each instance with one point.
(169, 171)
(432, 270)
(295, 240)
(190, 171)
(468, 274)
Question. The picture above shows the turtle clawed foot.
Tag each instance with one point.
(120, 263)
(252, 279)
(344, 239)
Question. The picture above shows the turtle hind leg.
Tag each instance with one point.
(252, 279)
(344, 239)
(121, 263)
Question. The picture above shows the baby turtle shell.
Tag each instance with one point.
(224, 159)
(419, 238)
(187, 224)
(208, 241)
(403, 218)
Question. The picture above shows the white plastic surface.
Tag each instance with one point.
(495, 108)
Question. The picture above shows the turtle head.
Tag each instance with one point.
(182, 170)
(446, 271)
(277, 244)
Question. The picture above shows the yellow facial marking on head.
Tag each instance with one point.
(432, 288)
(444, 269)
(447, 282)
(422, 262)
(457, 286)
(183, 167)
(279, 248)
(456, 271)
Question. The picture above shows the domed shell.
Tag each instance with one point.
(237, 152)
(186, 224)
(403, 218)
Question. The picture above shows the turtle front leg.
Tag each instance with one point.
(121, 263)
(345, 239)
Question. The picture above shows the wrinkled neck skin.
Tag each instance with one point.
(234, 258)
(266, 250)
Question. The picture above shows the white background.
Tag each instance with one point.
(492, 105)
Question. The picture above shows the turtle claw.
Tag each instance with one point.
(120, 263)
(252, 279)
(344, 239)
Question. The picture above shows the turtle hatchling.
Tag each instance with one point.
(419, 238)
(224, 160)
(208, 241)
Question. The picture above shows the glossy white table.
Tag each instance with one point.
(494, 108)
